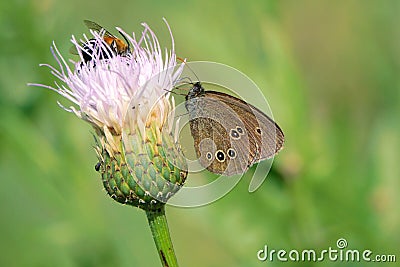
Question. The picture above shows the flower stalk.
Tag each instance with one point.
(159, 229)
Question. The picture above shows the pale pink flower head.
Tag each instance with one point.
(110, 86)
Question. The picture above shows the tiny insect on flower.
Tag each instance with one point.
(91, 48)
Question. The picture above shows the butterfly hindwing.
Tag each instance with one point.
(261, 128)
(221, 144)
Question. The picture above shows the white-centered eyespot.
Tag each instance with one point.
(231, 153)
(220, 155)
(239, 130)
(235, 134)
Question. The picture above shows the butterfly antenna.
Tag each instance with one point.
(184, 78)
(191, 70)
(172, 92)
(177, 88)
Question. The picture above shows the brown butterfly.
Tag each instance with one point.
(229, 134)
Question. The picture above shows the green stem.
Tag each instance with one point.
(159, 228)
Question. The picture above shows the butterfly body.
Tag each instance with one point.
(229, 134)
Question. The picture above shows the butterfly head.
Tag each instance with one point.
(195, 91)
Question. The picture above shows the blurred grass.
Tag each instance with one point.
(330, 71)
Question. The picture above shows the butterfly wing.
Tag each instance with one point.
(260, 128)
(219, 136)
(229, 134)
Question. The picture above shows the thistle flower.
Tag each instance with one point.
(124, 98)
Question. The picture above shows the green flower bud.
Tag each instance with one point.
(145, 174)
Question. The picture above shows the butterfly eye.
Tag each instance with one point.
(258, 130)
(235, 134)
(220, 155)
(231, 153)
(209, 155)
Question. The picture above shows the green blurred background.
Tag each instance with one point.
(331, 73)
